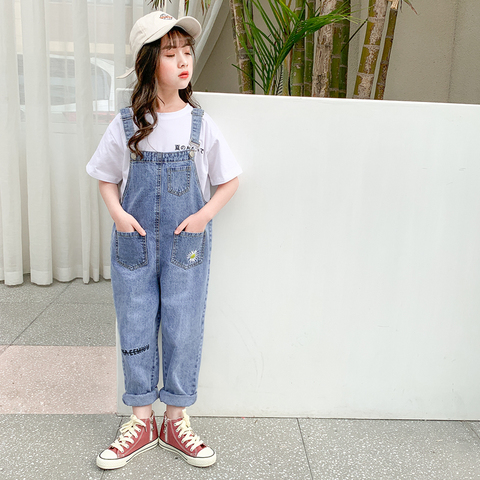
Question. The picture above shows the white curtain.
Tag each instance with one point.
(58, 63)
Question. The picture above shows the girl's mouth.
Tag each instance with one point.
(184, 75)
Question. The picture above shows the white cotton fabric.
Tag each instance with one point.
(214, 160)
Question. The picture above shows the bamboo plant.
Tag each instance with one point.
(297, 70)
(243, 47)
(377, 11)
(309, 53)
(331, 54)
(284, 28)
(387, 47)
(339, 64)
(323, 53)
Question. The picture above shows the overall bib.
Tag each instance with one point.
(162, 278)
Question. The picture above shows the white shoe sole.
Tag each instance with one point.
(110, 464)
(195, 461)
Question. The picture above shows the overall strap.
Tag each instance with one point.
(197, 114)
(127, 122)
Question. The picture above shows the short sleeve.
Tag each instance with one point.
(222, 165)
(106, 163)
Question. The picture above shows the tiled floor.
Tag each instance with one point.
(57, 411)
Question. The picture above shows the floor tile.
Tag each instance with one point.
(76, 324)
(54, 447)
(91, 293)
(58, 380)
(247, 449)
(15, 318)
(475, 426)
(393, 450)
(29, 292)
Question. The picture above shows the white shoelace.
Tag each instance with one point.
(191, 440)
(127, 431)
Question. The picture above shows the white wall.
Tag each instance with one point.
(346, 270)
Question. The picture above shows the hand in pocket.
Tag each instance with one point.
(126, 223)
(195, 223)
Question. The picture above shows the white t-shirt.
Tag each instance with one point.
(214, 160)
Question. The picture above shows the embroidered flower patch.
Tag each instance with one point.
(192, 256)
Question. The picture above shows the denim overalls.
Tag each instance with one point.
(162, 277)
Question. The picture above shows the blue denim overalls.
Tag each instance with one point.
(162, 277)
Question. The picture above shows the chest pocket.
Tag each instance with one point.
(179, 179)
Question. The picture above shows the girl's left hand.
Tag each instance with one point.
(195, 223)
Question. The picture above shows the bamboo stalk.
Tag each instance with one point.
(285, 73)
(323, 54)
(334, 81)
(387, 47)
(309, 52)
(339, 62)
(298, 59)
(345, 37)
(371, 47)
(244, 63)
(287, 63)
(387, 50)
(298, 70)
(235, 44)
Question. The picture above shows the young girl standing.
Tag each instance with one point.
(155, 164)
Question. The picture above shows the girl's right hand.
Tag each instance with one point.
(126, 223)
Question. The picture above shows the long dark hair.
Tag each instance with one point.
(144, 97)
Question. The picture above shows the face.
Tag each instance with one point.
(174, 69)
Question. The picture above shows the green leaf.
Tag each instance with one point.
(269, 49)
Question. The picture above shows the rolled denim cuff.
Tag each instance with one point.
(140, 400)
(177, 400)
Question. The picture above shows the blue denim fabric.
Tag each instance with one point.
(161, 279)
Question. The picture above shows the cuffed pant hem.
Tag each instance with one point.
(177, 400)
(140, 400)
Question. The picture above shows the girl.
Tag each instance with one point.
(155, 164)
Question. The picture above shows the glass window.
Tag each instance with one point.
(62, 81)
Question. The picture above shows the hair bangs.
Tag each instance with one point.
(177, 38)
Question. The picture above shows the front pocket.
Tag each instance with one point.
(179, 179)
(131, 249)
(188, 248)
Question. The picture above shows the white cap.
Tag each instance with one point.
(155, 25)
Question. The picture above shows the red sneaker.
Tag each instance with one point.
(136, 436)
(178, 437)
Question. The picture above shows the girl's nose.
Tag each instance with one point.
(183, 60)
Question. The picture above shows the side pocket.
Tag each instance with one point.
(188, 248)
(131, 249)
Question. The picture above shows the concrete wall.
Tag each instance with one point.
(346, 270)
(436, 54)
